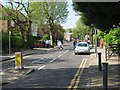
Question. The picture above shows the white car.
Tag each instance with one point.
(82, 47)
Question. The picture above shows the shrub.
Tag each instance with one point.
(45, 37)
(100, 34)
(31, 41)
(4, 40)
(16, 41)
(113, 37)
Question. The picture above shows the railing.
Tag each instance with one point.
(112, 49)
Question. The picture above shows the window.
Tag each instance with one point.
(82, 44)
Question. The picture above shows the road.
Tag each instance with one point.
(54, 69)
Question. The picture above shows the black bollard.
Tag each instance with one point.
(105, 78)
(99, 61)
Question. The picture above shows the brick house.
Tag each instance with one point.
(68, 36)
(3, 23)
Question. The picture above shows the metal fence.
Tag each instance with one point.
(112, 49)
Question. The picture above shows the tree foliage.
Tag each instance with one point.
(19, 12)
(80, 30)
(59, 31)
(102, 15)
(113, 37)
(49, 13)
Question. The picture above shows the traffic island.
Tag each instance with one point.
(12, 74)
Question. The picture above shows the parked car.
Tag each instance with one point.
(82, 47)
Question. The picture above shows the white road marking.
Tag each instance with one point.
(52, 60)
(71, 56)
(7, 56)
(50, 56)
(60, 55)
(66, 51)
(61, 52)
(41, 67)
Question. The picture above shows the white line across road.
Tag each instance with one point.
(50, 56)
(52, 60)
(71, 56)
(66, 51)
(41, 67)
(59, 56)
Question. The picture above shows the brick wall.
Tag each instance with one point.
(3, 25)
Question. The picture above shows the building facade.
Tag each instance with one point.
(68, 36)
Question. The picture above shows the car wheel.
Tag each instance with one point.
(75, 53)
(88, 53)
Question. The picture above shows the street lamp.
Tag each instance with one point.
(9, 43)
(91, 38)
(12, 25)
(95, 32)
(95, 40)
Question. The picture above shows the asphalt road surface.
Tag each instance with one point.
(54, 69)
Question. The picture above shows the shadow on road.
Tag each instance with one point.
(60, 78)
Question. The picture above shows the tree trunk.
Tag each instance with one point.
(51, 39)
(28, 34)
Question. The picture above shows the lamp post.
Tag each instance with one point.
(11, 25)
(9, 43)
(95, 40)
(91, 37)
(95, 32)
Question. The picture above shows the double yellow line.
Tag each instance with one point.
(75, 81)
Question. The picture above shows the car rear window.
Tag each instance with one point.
(82, 44)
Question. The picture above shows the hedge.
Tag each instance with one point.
(5, 40)
(16, 42)
(31, 41)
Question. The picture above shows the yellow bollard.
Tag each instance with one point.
(18, 60)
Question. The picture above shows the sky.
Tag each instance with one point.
(71, 19)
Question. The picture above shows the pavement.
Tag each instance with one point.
(112, 74)
(24, 52)
(96, 76)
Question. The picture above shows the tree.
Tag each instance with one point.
(80, 30)
(68, 30)
(50, 13)
(59, 32)
(113, 37)
(102, 15)
(19, 12)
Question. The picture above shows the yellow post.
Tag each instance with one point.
(18, 60)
